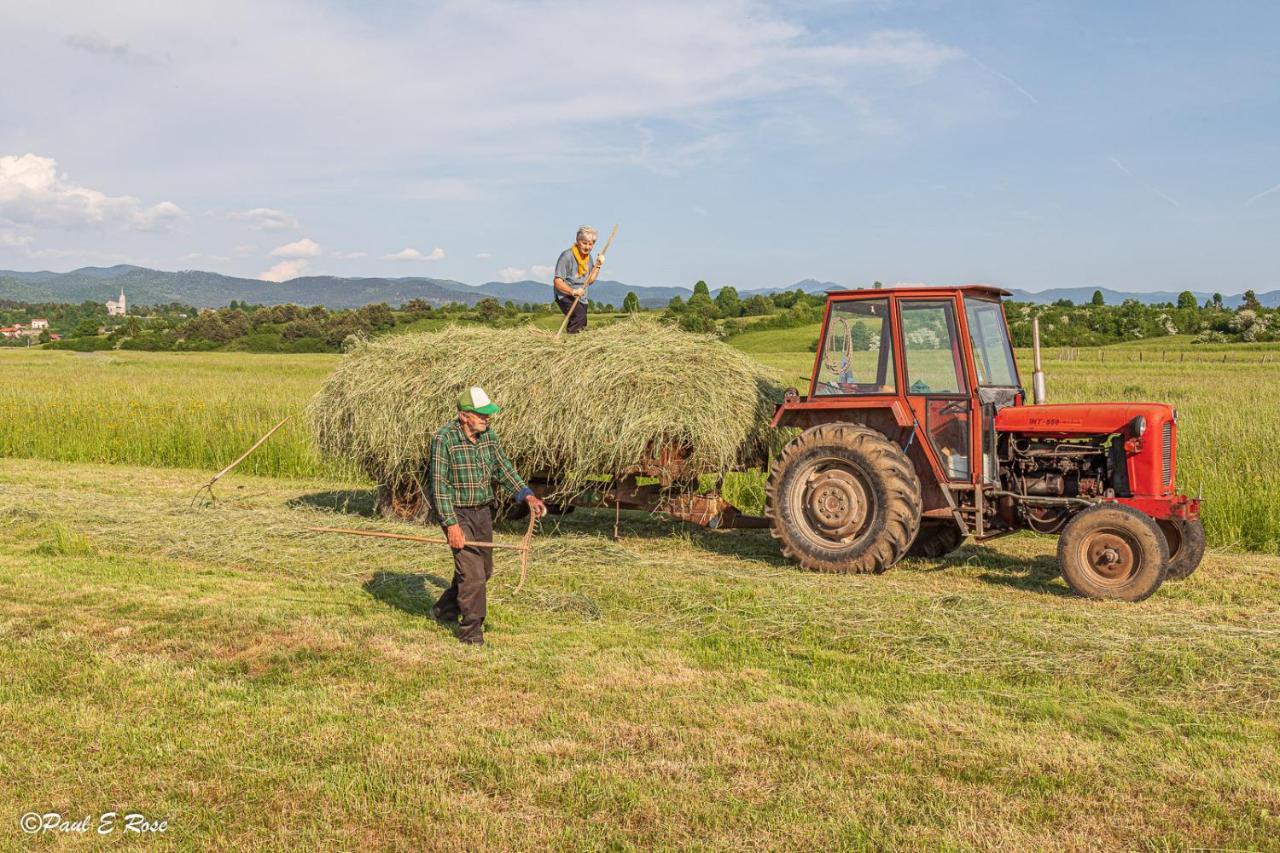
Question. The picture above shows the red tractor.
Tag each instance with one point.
(918, 433)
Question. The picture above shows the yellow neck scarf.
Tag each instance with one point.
(581, 259)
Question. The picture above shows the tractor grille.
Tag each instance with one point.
(1166, 454)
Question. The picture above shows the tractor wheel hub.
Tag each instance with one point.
(836, 503)
(1110, 556)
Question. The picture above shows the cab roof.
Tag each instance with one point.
(919, 290)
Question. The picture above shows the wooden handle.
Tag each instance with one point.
(243, 456)
(381, 535)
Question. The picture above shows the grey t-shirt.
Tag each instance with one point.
(567, 269)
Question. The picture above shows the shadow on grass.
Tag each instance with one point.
(744, 544)
(349, 501)
(407, 592)
(1032, 573)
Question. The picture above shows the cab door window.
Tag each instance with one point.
(992, 355)
(856, 353)
(935, 376)
(929, 346)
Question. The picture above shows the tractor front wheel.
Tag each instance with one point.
(843, 498)
(1113, 551)
(1186, 546)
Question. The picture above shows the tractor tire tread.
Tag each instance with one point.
(900, 487)
(1141, 527)
(1186, 559)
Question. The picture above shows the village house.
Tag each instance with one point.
(20, 331)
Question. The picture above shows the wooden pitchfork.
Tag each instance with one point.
(208, 487)
(573, 307)
(523, 547)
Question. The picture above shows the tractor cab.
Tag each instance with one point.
(928, 361)
(930, 373)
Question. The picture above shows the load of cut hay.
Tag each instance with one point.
(610, 401)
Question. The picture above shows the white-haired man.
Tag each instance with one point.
(466, 460)
(575, 271)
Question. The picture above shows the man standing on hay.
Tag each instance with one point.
(466, 459)
(574, 272)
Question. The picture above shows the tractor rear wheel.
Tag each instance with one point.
(843, 498)
(1186, 546)
(937, 538)
(1113, 551)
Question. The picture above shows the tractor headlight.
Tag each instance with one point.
(1138, 425)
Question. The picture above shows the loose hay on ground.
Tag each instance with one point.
(574, 408)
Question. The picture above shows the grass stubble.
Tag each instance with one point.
(266, 687)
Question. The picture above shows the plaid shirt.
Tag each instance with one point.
(462, 472)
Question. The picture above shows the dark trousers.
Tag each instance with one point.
(472, 568)
(578, 319)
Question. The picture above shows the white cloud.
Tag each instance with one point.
(349, 256)
(117, 50)
(537, 272)
(266, 219)
(443, 189)
(437, 254)
(1262, 194)
(285, 270)
(246, 249)
(304, 248)
(685, 64)
(33, 193)
(484, 256)
(13, 239)
(85, 257)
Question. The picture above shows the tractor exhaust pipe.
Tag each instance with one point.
(1037, 375)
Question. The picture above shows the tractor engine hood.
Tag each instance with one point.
(1081, 419)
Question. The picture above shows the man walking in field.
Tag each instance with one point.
(466, 460)
(575, 271)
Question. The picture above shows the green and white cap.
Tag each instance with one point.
(475, 400)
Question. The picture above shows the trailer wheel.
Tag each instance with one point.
(403, 500)
(1186, 546)
(843, 498)
(937, 538)
(1113, 551)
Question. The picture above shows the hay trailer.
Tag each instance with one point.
(917, 432)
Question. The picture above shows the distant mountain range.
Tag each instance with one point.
(144, 286)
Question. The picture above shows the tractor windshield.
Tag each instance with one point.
(856, 353)
(992, 355)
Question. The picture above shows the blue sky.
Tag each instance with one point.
(1028, 144)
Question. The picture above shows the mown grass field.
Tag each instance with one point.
(260, 687)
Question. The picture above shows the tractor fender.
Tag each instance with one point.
(877, 412)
